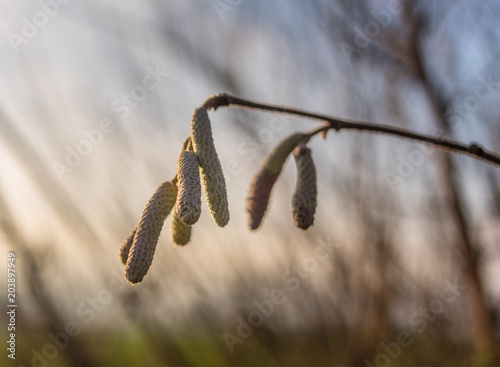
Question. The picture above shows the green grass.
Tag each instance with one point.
(136, 347)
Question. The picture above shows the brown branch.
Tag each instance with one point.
(223, 100)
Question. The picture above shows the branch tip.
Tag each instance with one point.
(217, 100)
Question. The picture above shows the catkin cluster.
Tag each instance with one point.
(214, 183)
(263, 182)
(199, 158)
(198, 154)
(305, 196)
(148, 231)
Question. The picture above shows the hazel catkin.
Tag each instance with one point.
(305, 196)
(188, 205)
(214, 183)
(127, 244)
(148, 231)
(263, 182)
(181, 232)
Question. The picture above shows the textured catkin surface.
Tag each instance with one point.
(258, 199)
(188, 205)
(263, 182)
(214, 183)
(148, 231)
(305, 197)
(277, 157)
(181, 232)
(125, 249)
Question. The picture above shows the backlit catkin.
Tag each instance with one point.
(305, 197)
(181, 232)
(188, 205)
(127, 244)
(148, 231)
(214, 183)
(263, 182)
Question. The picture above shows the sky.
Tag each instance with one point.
(96, 100)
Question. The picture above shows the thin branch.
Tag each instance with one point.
(223, 100)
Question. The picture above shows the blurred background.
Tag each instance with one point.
(402, 265)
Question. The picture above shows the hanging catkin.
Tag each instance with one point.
(211, 170)
(127, 244)
(263, 182)
(148, 231)
(188, 205)
(181, 232)
(305, 197)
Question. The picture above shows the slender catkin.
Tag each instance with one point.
(305, 197)
(188, 205)
(148, 231)
(263, 182)
(214, 183)
(181, 232)
(127, 244)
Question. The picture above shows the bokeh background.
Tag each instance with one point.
(402, 265)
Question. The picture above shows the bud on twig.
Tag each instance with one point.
(263, 182)
(211, 170)
(148, 231)
(305, 196)
(181, 232)
(188, 205)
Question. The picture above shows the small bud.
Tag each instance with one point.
(124, 250)
(148, 231)
(263, 182)
(181, 232)
(214, 183)
(188, 205)
(305, 197)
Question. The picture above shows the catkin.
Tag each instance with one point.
(148, 231)
(188, 205)
(181, 232)
(263, 182)
(214, 183)
(127, 244)
(305, 197)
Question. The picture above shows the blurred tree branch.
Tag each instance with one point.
(481, 317)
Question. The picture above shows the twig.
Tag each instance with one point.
(223, 100)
